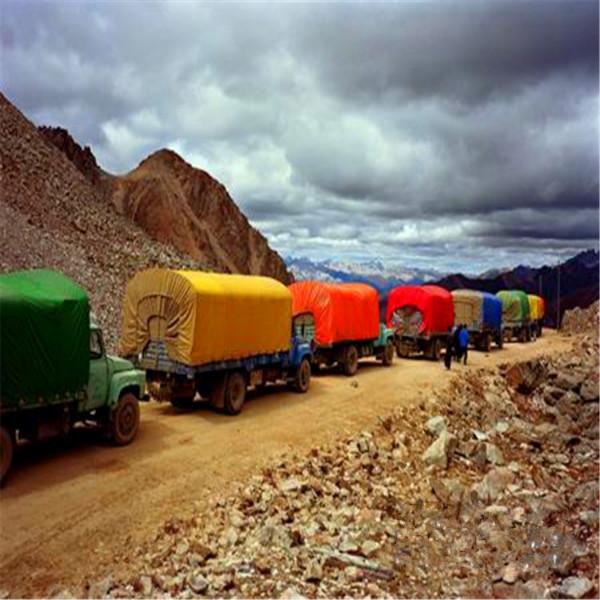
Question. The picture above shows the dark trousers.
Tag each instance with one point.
(463, 354)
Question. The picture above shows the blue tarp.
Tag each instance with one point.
(492, 311)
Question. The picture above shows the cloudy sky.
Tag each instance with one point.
(460, 135)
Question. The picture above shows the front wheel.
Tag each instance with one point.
(7, 449)
(235, 393)
(435, 350)
(125, 420)
(350, 364)
(302, 377)
(388, 354)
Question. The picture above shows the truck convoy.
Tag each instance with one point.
(482, 314)
(536, 314)
(421, 317)
(515, 315)
(55, 371)
(194, 334)
(342, 321)
(213, 335)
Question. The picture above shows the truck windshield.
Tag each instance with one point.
(95, 344)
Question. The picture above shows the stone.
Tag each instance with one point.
(510, 573)
(448, 491)
(437, 454)
(289, 485)
(100, 589)
(493, 454)
(145, 586)
(589, 390)
(292, 594)
(494, 483)
(588, 517)
(574, 587)
(502, 426)
(436, 425)
(314, 571)
(369, 548)
(197, 583)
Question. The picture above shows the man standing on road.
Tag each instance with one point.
(463, 343)
(456, 334)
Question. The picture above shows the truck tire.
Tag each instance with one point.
(125, 420)
(302, 377)
(486, 342)
(402, 350)
(7, 450)
(522, 335)
(235, 393)
(435, 349)
(350, 362)
(387, 358)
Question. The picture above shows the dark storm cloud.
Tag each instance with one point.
(463, 130)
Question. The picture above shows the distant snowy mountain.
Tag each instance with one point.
(380, 275)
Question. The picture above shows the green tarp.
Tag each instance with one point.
(44, 338)
(515, 307)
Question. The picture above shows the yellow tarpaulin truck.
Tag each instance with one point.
(211, 334)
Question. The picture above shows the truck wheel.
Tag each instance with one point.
(125, 420)
(486, 342)
(7, 448)
(522, 335)
(402, 350)
(350, 363)
(388, 354)
(302, 377)
(216, 396)
(235, 393)
(435, 349)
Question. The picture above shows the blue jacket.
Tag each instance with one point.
(463, 338)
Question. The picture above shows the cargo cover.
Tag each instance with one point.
(515, 306)
(44, 338)
(342, 311)
(433, 302)
(206, 317)
(468, 308)
(536, 307)
(492, 311)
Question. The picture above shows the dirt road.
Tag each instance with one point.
(72, 508)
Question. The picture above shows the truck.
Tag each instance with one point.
(55, 371)
(515, 315)
(421, 316)
(211, 336)
(342, 322)
(481, 313)
(536, 313)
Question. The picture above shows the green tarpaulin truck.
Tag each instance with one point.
(54, 371)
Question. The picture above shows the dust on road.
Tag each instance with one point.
(72, 507)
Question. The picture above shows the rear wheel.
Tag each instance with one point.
(7, 447)
(125, 420)
(235, 393)
(435, 349)
(302, 377)
(350, 363)
(388, 354)
(486, 342)
(216, 395)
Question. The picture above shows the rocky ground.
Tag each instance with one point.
(489, 489)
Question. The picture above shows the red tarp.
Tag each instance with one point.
(434, 303)
(342, 312)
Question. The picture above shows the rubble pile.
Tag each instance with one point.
(579, 320)
(488, 489)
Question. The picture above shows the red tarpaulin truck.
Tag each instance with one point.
(343, 322)
(421, 317)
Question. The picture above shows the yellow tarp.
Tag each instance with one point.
(535, 309)
(206, 317)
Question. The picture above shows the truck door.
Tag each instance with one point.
(98, 381)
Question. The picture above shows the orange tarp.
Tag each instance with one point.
(342, 312)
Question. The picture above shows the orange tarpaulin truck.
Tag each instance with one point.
(343, 322)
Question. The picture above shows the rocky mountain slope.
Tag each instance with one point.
(53, 217)
(180, 205)
(487, 489)
(579, 283)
